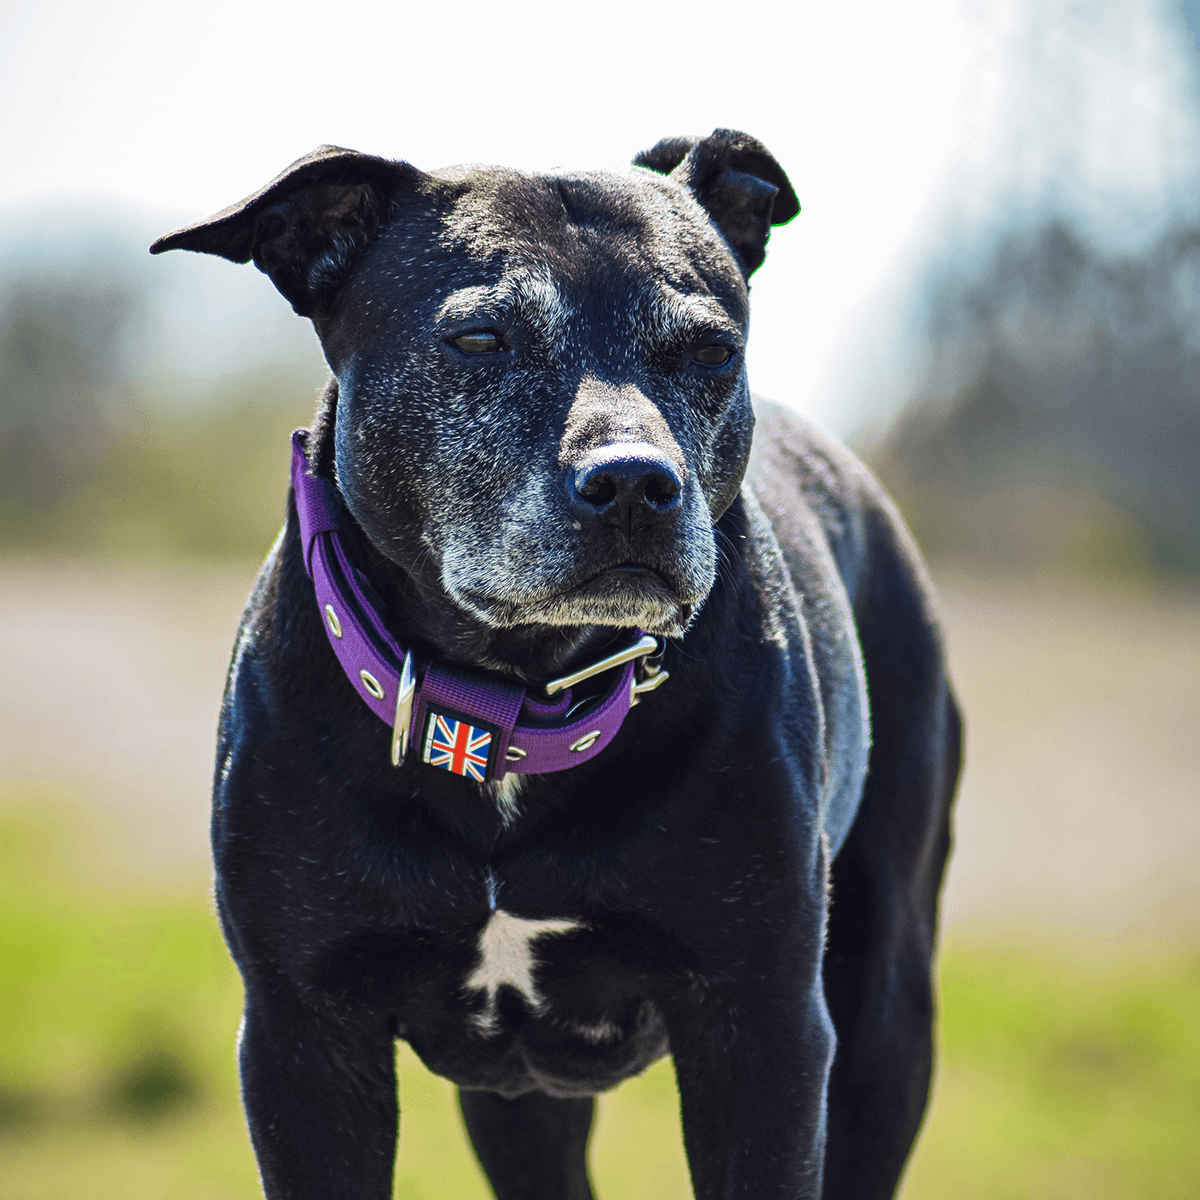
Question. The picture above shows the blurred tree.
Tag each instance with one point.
(1058, 422)
(62, 388)
(109, 383)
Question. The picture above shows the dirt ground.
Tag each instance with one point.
(1079, 811)
(1080, 801)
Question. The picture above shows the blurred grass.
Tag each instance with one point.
(1065, 1071)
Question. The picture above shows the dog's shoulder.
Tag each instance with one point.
(820, 497)
(866, 597)
(815, 493)
(830, 514)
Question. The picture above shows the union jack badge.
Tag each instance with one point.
(457, 745)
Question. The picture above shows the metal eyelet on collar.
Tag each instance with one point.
(335, 626)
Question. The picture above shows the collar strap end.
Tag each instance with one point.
(316, 500)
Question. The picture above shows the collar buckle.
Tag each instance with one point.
(404, 706)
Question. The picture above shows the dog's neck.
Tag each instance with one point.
(420, 614)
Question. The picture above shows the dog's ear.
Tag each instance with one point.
(737, 180)
(666, 155)
(306, 227)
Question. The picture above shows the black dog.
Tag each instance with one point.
(528, 465)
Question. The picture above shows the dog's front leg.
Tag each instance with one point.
(320, 1098)
(752, 1065)
(533, 1147)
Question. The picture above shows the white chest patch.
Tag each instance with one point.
(506, 959)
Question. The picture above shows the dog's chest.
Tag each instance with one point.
(533, 1002)
(508, 947)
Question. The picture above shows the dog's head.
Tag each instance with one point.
(540, 378)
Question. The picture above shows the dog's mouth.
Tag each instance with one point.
(628, 596)
(627, 579)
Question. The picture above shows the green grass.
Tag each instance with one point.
(1063, 1074)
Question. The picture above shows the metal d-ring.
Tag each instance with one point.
(640, 689)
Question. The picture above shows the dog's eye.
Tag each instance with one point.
(713, 356)
(477, 343)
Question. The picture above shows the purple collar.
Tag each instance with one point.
(464, 721)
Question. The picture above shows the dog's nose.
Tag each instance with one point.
(626, 475)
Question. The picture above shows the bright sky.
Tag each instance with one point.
(896, 122)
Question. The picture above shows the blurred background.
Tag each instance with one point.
(992, 293)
